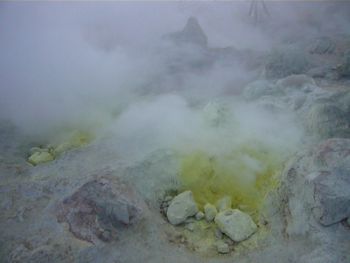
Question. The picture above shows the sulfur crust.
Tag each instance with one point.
(212, 177)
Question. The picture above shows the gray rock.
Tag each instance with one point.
(199, 215)
(210, 212)
(222, 247)
(332, 196)
(344, 68)
(259, 88)
(322, 45)
(100, 205)
(348, 221)
(327, 120)
(235, 224)
(314, 188)
(168, 198)
(224, 203)
(296, 81)
(181, 207)
(286, 61)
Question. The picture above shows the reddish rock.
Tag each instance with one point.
(99, 208)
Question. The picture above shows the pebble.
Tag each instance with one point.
(199, 215)
(210, 212)
(222, 247)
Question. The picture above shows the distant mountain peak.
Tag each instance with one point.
(192, 33)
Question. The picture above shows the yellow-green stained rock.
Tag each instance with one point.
(75, 140)
(37, 149)
(40, 157)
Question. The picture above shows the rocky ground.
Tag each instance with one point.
(91, 202)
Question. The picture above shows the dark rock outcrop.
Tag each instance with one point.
(99, 208)
(192, 33)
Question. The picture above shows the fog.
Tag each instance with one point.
(107, 68)
(100, 66)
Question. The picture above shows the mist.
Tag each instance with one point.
(77, 63)
(212, 97)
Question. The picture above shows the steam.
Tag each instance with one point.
(103, 66)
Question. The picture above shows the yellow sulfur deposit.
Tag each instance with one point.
(247, 174)
(40, 157)
(73, 140)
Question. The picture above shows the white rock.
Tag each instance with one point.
(235, 224)
(222, 247)
(199, 215)
(181, 207)
(210, 212)
(224, 203)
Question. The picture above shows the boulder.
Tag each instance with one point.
(332, 196)
(181, 207)
(98, 208)
(235, 224)
(327, 120)
(343, 68)
(210, 212)
(322, 45)
(286, 61)
(315, 187)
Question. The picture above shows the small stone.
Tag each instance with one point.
(224, 203)
(181, 207)
(235, 224)
(199, 215)
(222, 247)
(40, 157)
(210, 212)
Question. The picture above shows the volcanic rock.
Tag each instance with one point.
(98, 208)
(235, 224)
(181, 207)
